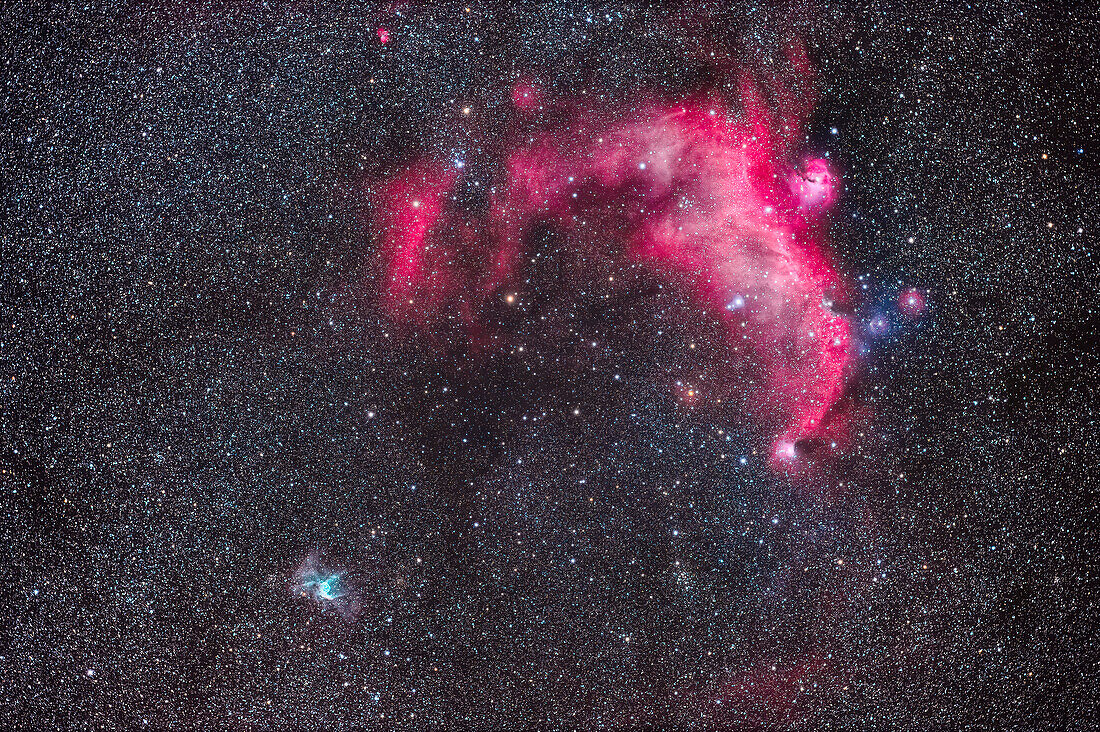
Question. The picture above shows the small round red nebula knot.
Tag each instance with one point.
(816, 185)
(526, 96)
(383, 35)
(911, 303)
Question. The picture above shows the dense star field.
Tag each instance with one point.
(560, 366)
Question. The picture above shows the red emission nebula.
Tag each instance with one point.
(709, 194)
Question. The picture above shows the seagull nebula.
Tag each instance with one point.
(714, 195)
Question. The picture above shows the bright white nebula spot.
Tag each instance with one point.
(328, 589)
(736, 303)
(784, 450)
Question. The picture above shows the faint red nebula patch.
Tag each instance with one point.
(705, 196)
(383, 35)
(526, 96)
(770, 696)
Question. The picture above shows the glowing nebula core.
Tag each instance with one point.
(706, 193)
(328, 588)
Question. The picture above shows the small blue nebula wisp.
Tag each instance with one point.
(879, 325)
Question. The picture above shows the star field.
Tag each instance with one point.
(291, 437)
